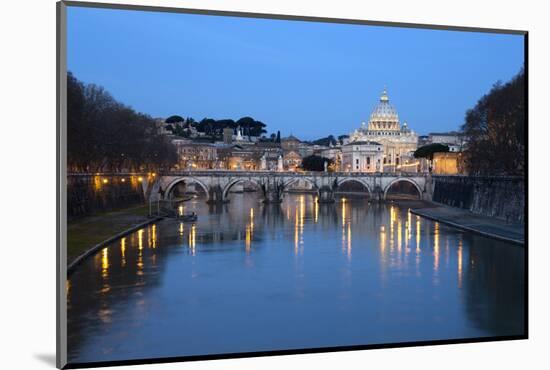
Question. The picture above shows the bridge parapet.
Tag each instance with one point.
(243, 173)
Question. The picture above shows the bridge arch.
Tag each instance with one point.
(294, 179)
(235, 181)
(358, 181)
(171, 185)
(403, 179)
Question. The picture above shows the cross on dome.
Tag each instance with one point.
(384, 97)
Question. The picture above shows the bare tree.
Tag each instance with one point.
(495, 131)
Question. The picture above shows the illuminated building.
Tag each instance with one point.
(398, 141)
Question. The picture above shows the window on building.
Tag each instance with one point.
(357, 161)
(368, 160)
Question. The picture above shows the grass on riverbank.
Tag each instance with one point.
(86, 232)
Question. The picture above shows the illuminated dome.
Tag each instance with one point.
(384, 116)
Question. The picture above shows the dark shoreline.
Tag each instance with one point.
(94, 249)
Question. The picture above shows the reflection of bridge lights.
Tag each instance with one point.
(296, 232)
(180, 229)
(123, 251)
(154, 235)
(459, 252)
(436, 246)
(247, 238)
(192, 239)
(105, 262)
(180, 211)
(392, 221)
(399, 238)
(315, 210)
(302, 213)
(140, 239)
(343, 213)
(409, 224)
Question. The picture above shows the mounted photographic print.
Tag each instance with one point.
(235, 184)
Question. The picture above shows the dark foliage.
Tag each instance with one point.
(315, 163)
(174, 119)
(214, 128)
(325, 141)
(342, 137)
(427, 151)
(105, 135)
(251, 127)
(495, 130)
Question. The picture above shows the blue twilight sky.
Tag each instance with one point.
(309, 79)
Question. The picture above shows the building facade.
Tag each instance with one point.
(447, 163)
(292, 160)
(454, 140)
(290, 143)
(193, 155)
(362, 156)
(398, 141)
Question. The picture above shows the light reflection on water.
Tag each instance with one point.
(254, 277)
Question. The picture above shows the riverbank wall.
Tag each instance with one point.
(88, 194)
(499, 197)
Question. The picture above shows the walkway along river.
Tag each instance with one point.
(253, 277)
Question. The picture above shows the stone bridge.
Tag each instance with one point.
(217, 183)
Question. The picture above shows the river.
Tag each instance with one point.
(253, 277)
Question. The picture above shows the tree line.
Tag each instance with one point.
(214, 128)
(104, 135)
(315, 163)
(495, 131)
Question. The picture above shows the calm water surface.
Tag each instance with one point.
(251, 277)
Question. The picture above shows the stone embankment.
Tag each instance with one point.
(497, 197)
(466, 220)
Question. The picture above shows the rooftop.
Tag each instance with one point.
(384, 111)
(363, 142)
(290, 138)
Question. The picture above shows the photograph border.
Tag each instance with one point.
(61, 194)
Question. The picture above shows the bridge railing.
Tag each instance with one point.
(245, 173)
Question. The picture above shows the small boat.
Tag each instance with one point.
(188, 218)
